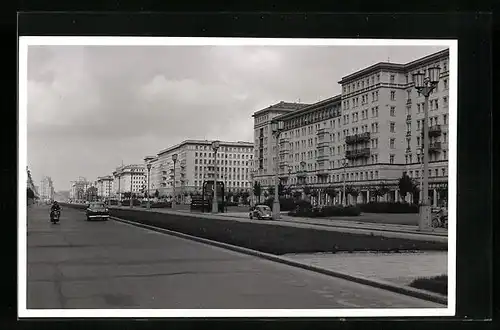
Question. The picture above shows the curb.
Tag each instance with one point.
(416, 293)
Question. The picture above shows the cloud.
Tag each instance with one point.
(90, 107)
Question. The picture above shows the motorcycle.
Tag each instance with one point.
(54, 216)
(439, 219)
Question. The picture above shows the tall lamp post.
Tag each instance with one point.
(425, 85)
(345, 163)
(215, 203)
(419, 155)
(149, 171)
(277, 128)
(174, 159)
(131, 177)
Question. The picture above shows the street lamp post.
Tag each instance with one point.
(419, 155)
(344, 197)
(215, 203)
(277, 128)
(425, 85)
(149, 170)
(174, 159)
(131, 177)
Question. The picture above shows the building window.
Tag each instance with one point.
(393, 111)
(392, 126)
(391, 159)
(392, 79)
(391, 143)
(445, 84)
(393, 95)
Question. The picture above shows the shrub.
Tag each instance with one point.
(388, 207)
(231, 204)
(135, 202)
(437, 284)
(286, 204)
(327, 211)
(159, 205)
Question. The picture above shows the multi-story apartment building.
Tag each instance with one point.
(105, 186)
(129, 178)
(264, 145)
(374, 128)
(195, 163)
(79, 189)
(46, 189)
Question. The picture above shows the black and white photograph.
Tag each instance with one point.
(244, 177)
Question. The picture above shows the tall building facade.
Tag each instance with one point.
(46, 189)
(105, 186)
(129, 178)
(370, 134)
(79, 189)
(195, 163)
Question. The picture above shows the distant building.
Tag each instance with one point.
(46, 189)
(129, 178)
(79, 189)
(195, 163)
(105, 186)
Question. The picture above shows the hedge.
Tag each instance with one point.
(326, 211)
(437, 284)
(286, 204)
(275, 239)
(388, 207)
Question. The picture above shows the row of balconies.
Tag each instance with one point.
(357, 153)
(357, 138)
(433, 147)
(434, 131)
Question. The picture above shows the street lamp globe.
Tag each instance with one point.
(174, 157)
(215, 145)
(419, 80)
(148, 166)
(434, 74)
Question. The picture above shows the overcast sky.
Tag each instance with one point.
(90, 107)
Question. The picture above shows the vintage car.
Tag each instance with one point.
(261, 212)
(96, 211)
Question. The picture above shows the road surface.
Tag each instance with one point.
(79, 264)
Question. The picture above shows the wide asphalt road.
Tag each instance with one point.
(107, 264)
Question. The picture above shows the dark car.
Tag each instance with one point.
(97, 210)
(261, 212)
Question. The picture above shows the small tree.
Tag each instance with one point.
(307, 191)
(314, 194)
(157, 193)
(281, 189)
(297, 194)
(415, 191)
(257, 190)
(271, 191)
(382, 190)
(405, 186)
(127, 194)
(442, 192)
(354, 192)
(266, 194)
(331, 192)
(245, 196)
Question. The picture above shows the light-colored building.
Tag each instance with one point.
(79, 189)
(105, 186)
(195, 163)
(375, 124)
(46, 189)
(129, 178)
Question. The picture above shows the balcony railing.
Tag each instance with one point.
(322, 144)
(408, 150)
(435, 130)
(301, 174)
(284, 140)
(434, 146)
(408, 133)
(408, 117)
(358, 153)
(408, 101)
(356, 138)
(321, 131)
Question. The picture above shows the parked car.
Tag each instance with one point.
(261, 212)
(97, 210)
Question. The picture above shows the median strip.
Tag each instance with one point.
(416, 293)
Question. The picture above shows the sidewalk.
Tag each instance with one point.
(332, 224)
